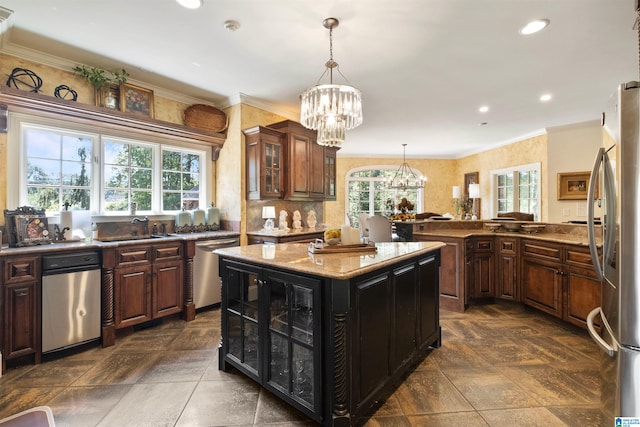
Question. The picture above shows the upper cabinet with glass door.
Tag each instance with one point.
(265, 163)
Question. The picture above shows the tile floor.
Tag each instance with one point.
(500, 364)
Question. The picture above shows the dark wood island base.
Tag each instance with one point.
(332, 335)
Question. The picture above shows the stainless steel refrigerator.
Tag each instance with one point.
(617, 174)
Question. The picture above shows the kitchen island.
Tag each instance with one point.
(330, 334)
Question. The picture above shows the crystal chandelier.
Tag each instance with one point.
(405, 178)
(331, 108)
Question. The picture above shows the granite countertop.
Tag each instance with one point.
(292, 232)
(296, 257)
(97, 244)
(554, 237)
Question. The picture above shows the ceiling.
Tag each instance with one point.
(424, 66)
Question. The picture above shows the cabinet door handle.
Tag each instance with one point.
(21, 294)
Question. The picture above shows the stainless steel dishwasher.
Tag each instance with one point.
(71, 291)
(206, 279)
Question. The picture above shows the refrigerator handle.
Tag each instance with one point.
(596, 336)
(591, 228)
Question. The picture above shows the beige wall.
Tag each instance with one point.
(571, 148)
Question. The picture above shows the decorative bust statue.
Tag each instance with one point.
(282, 221)
(297, 220)
(311, 218)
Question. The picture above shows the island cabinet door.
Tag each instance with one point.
(292, 364)
(404, 310)
(542, 285)
(428, 306)
(371, 309)
(240, 316)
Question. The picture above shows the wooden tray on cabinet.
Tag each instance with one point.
(323, 248)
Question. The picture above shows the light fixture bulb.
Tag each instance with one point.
(546, 97)
(190, 4)
(534, 26)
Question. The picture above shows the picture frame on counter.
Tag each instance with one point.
(136, 99)
(574, 186)
(26, 226)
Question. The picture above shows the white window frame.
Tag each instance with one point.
(16, 159)
(515, 169)
(419, 203)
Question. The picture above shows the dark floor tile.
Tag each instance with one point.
(119, 368)
(526, 417)
(487, 388)
(429, 391)
(177, 366)
(452, 354)
(16, 399)
(152, 340)
(457, 419)
(549, 386)
(58, 373)
(576, 416)
(197, 339)
(391, 406)
(388, 421)
(504, 351)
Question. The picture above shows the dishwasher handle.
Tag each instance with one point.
(215, 244)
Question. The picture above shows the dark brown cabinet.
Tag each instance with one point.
(265, 151)
(507, 268)
(149, 282)
(21, 322)
(305, 162)
(453, 271)
(482, 274)
(560, 280)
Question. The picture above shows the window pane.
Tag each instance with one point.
(171, 201)
(42, 144)
(143, 199)
(116, 153)
(141, 178)
(171, 181)
(116, 200)
(170, 160)
(141, 156)
(116, 177)
(41, 171)
(191, 163)
(43, 198)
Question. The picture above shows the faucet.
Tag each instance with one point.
(145, 224)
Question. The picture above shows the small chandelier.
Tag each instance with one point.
(331, 108)
(404, 178)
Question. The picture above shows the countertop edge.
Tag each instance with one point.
(323, 258)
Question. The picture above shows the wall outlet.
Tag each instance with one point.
(581, 209)
(566, 212)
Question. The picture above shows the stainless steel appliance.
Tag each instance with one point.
(71, 289)
(206, 279)
(617, 168)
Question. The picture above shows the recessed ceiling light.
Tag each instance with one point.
(483, 109)
(190, 4)
(546, 97)
(534, 27)
(483, 123)
(231, 25)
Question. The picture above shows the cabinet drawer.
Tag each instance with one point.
(483, 245)
(541, 250)
(134, 254)
(579, 257)
(508, 246)
(168, 251)
(21, 269)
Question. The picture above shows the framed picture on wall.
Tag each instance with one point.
(135, 99)
(574, 186)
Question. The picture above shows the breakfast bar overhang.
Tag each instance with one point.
(331, 334)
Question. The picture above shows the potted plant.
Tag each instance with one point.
(103, 81)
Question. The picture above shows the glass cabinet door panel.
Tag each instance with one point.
(279, 363)
(268, 160)
(278, 306)
(250, 345)
(235, 334)
(268, 180)
(302, 371)
(302, 312)
(250, 285)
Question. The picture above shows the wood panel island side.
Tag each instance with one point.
(330, 334)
